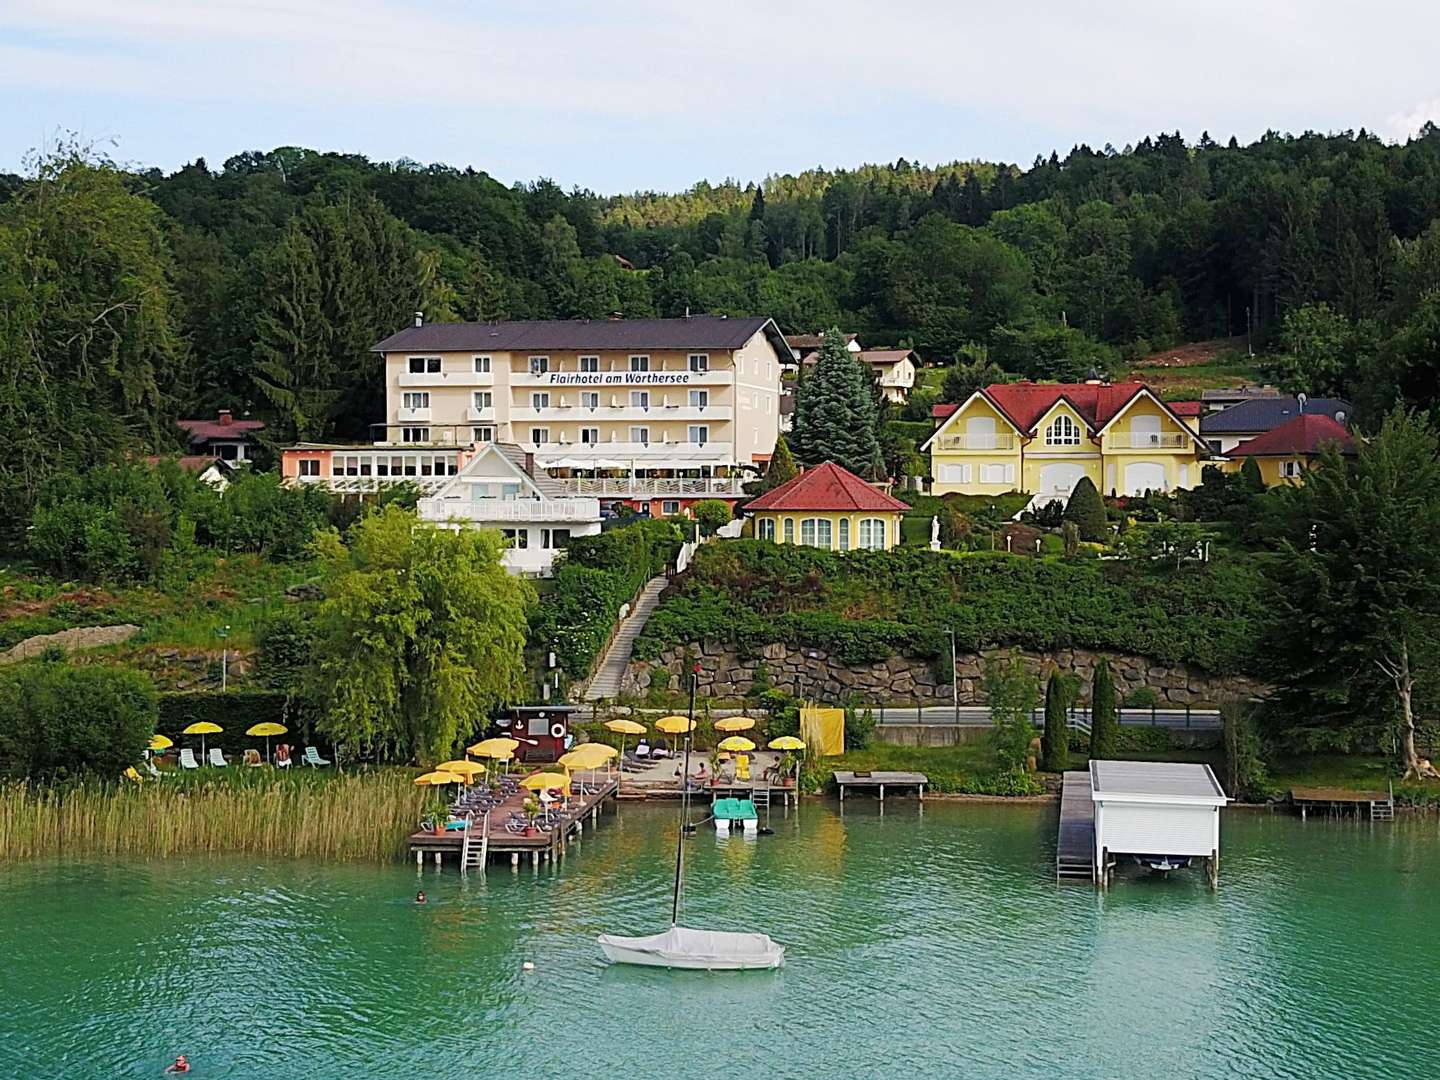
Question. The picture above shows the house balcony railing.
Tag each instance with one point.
(1146, 440)
(509, 510)
(624, 487)
(409, 379)
(413, 416)
(1000, 440)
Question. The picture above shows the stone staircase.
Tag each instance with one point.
(611, 673)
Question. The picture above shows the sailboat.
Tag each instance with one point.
(682, 946)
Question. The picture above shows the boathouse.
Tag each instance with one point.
(1155, 811)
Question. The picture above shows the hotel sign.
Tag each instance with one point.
(619, 378)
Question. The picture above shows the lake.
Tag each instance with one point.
(928, 942)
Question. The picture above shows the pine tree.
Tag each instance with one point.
(835, 415)
(1103, 719)
(1087, 510)
(781, 467)
(1055, 743)
(1250, 475)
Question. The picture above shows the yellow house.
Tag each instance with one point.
(1286, 452)
(1043, 437)
(828, 507)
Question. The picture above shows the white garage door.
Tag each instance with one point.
(1057, 481)
(1143, 476)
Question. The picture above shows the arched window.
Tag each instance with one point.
(789, 530)
(1063, 432)
(872, 534)
(766, 531)
(844, 534)
(815, 532)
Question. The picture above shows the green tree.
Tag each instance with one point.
(420, 636)
(1055, 742)
(1011, 693)
(1353, 649)
(1253, 481)
(59, 721)
(1087, 510)
(1319, 351)
(1104, 720)
(780, 469)
(962, 379)
(711, 514)
(835, 416)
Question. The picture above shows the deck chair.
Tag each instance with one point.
(661, 749)
(252, 758)
(187, 759)
(217, 758)
(150, 768)
(642, 749)
(742, 767)
(313, 758)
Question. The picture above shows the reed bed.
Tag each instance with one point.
(364, 816)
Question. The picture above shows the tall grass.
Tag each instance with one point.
(357, 816)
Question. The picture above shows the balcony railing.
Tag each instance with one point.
(507, 510)
(413, 416)
(1000, 440)
(1146, 440)
(625, 487)
(558, 411)
(410, 379)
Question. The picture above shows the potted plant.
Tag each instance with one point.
(532, 810)
(787, 769)
(441, 815)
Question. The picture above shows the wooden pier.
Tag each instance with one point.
(879, 781)
(1075, 846)
(1379, 805)
(486, 837)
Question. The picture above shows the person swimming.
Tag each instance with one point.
(180, 1066)
(420, 897)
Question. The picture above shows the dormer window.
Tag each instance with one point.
(1063, 432)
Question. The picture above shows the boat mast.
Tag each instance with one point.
(684, 803)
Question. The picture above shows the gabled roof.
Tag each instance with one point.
(566, 335)
(827, 487)
(1301, 436)
(807, 342)
(1267, 413)
(196, 463)
(884, 356)
(521, 463)
(1187, 408)
(1096, 403)
(224, 426)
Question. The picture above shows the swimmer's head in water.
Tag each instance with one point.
(420, 897)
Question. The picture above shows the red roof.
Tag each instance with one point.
(942, 410)
(1186, 408)
(1024, 403)
(224, 426)
(1304, 435)
(827, 487)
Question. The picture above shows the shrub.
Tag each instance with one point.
(859, 727)
(60, 722)
(1103, 719)
(1245, 773)
(1055, 744)
(1050, 515)
(1087, 511)
(236, 711)
(284, 641)
(711, 515)
(1142, 697)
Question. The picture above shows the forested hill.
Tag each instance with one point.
(130, 297)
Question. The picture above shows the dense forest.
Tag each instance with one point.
(130, 297)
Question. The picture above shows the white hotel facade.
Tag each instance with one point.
(655, 413)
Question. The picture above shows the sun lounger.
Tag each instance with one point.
(661, 749)
(642, 750)
(187, 759)
(150, 768)
(313, 758)
(217, 758)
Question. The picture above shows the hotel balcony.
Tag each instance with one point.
(1000, 440)
(510, 510)
(486, 416)
(1146, 440)
(621, 379)
(601, 414)
(642, 487)
(410, 379)
(630, 455)
(412, 416)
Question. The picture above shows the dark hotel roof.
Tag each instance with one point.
(566, 335)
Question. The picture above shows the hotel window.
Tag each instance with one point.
(1063, 432)
(539, 365)
(483, 434)
(366, 463)
(699, 361)
(407, 466)
(590, 363)
(417, 401)
(844, 534)
(540, 400)
(699, 399)
(670, 506)
(482, 365)
(700, 434)
(765, 529)
(539, 436)
(640, 435)
(427, 467)
(484, 399)
(554, 538)
(415, 434)
(789, 530)
(382, 466)
(639, 363)
(872, 533)
(446, 466)
(519, 538)
(309, 466)
(640, 399)
(589, 436)
(423, 365)
(589, 400)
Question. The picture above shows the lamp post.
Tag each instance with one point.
(223, 633)
(954, 676)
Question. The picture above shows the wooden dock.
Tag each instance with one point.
(1075, 846)
(1380, 805)
(879, 781)
(471, 848)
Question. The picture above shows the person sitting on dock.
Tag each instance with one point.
(180, 1066)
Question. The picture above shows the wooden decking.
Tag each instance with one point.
(472, 850)
(1380, 805)
(879, 781)
(1075, 845)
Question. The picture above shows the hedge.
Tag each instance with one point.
(864, 606)
(236, 711)
(60, 722)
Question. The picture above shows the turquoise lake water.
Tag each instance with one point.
(922, 943)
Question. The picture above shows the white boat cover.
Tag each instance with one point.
(683, 947)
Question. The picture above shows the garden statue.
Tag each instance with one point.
(935, 533)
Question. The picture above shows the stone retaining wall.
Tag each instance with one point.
(903, 680)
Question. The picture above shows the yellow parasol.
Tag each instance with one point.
(540, 781)
(674, 725)
(787, 742)
(202, 728)
(734, 723)
(461, 768)
(268, 729)
(499, 748)
(160, 742)
(625, 727)
(589, 756)
(438, 778)
(737, 743)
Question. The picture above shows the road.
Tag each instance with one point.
(979, 716)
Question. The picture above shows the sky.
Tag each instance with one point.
(632, 95)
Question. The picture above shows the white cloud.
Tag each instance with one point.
(1402, 125)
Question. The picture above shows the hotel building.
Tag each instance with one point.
(655, 413)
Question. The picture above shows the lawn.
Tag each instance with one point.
(965, 769)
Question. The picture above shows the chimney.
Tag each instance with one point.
(225, 418)
(419, 318)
